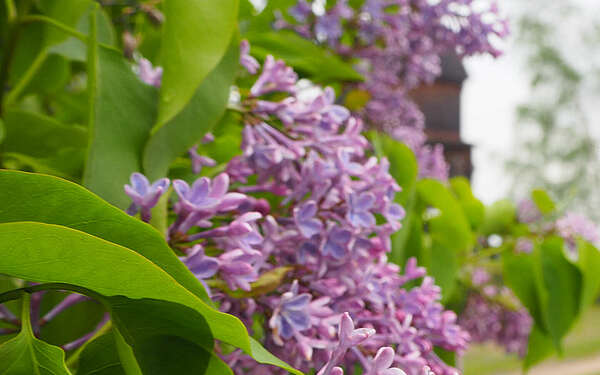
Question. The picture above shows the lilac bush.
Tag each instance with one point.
(281, 236)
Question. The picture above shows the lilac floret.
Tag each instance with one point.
(358, 210)
(144, 195)
(304, 215)
(149, 74)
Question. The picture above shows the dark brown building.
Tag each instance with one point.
(440, 102)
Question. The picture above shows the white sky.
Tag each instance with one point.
(489, 99)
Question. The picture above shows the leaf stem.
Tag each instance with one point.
(26, 314)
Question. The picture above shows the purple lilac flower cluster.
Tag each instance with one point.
(326, 227)
(400, 43)
(492, 314)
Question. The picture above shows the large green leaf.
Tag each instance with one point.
(123, 113)
(44, 144)
(200, 115)
(37, 135)
(450, 234)
(499, 218)
(302, 54)
(589, 264)
(74, 14)
(472, 207)
(196, 35)
(559, 285)
(100, 357)
(403, 164)
(543, 201)
(24, 354)
(539, 347)
(166, 338)
(518, 272)
(75, 260)
(46, 199)
(451, 228)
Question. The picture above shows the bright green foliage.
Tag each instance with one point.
(45, 199)
(123, 113)
(32, 136)
(196, 35)
(201, 114)
(472, 207)
(543, 201)
(499, 218)
(302, 54)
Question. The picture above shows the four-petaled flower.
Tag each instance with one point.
(144, 195)
(291, 315)
(358, 210)
(304, 217)
(336, 243)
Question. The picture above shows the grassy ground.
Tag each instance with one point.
(582, 342)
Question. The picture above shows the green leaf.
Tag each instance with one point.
(75, 260)
(560, 285)
(67, 163)
(46, 199)
(37, 135)
(472, 207)
(451, 228)
(443, 265)
(200, 115)
(450, 234)
(499, 218)
(24, 354)
(539, 347)
(543, 201)
(166, 338)
(43, 144)
(403, 164)
(123, 113)
(303, 55)
(100, 357)
(53, 75)
(518, 272)
(589, 265)
(75, 14)
(196, 35)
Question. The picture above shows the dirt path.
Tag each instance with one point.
(582, 366)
